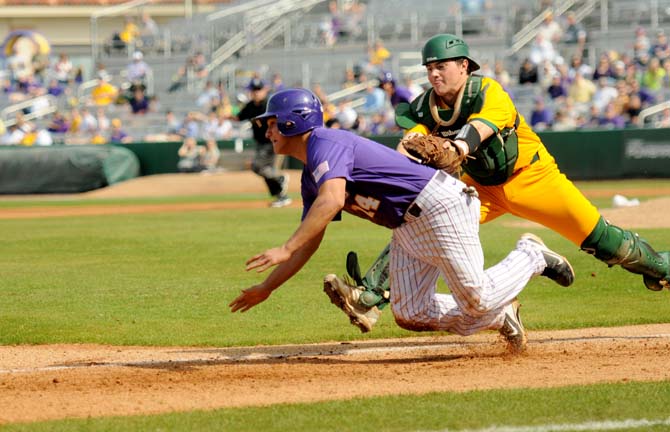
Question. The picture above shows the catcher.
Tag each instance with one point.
(467, 125)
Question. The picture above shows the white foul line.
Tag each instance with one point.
(607, 425)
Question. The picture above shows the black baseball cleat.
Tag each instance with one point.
(558, 268)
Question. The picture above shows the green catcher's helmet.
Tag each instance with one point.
(445, 47)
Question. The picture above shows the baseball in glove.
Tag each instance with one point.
(440, 153)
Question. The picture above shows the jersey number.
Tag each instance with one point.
(367, 205)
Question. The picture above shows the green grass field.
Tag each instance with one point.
(167, 278)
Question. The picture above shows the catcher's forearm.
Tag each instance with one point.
(470, 137)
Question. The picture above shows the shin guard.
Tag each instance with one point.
(375, 281)
(615, 246)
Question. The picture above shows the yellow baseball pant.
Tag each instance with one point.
(540, 193)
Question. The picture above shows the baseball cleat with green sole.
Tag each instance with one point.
(659, 284)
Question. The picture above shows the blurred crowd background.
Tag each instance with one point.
(567, 65)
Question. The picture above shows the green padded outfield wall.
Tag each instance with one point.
(581, 155)
(162, 158)
(64, 169)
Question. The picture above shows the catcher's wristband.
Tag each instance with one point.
(469, 134)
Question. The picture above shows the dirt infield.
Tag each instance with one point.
(66, 381)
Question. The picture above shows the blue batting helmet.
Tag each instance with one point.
(297, 111)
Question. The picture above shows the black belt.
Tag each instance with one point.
(414, 210)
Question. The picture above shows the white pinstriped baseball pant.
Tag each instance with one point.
(444, 239)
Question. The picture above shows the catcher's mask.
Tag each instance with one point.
(297, 111)
(444, 47)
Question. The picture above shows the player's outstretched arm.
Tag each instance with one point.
(256, 294)
(292, 255)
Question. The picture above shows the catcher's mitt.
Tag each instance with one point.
(440, 153)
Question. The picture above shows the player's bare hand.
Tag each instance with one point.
(267, 259)
(249, 298)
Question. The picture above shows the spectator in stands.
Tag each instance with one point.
(189, 156)
(227, 108)
(577, 65)
(137, 70)
(641, 43)
(117, 135)
(276, 83)
(58, 123)
(633, 110)
(224, 129)
(541, 117)
(210, 156)
(55, 88)
(104, 93)
(148, 32)
(206, 96)
(604, 68)
(195, 65)
(63, 69)
(563, 121)
(103, 121)
(28, 88)
(139, 103)
(528, 72)
(353, 13)
(642, 62)
(130, 32)
(646, 96)
(557, 89)
(347, 116)
(610, 119)
(89, 123)
(550, 30)
(581, 90)
(101, 72)
(190, 127)
(17, 134)
(374, 99)
(349, 78)
(574, 32)
(605, 94)
(98, 137)
(75, 120)
(332, 25)
(377, 125)
(172, 122)
(378, 56)
(660, 48)
(395, 93)
(652, 78)
(542, 49)
(619, 70)
(622, 99)
(547, 70)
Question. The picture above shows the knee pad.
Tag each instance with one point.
(613, 246)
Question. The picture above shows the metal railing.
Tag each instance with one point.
(110, 11)
(261, 24)
(647, 112)
(47, 104)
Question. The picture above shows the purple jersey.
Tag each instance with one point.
(381, 183)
